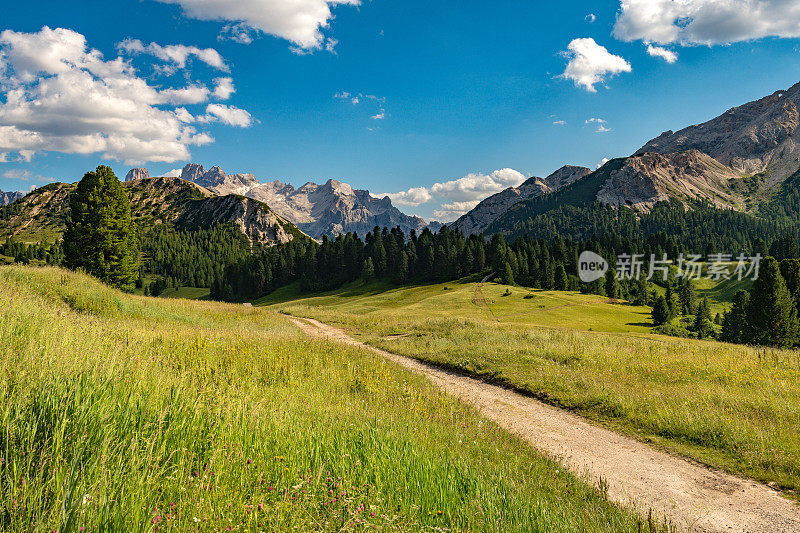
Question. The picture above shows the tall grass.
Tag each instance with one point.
(729, 406)
(122, 413)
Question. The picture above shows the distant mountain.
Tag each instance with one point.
(758, 137)
(43, 213)
(485, 213)
(10, 197)
(328, 209)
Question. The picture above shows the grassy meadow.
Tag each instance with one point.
(125, 413)
(729, 406)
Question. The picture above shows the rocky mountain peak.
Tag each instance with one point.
(192, 172)
(137, 174)
(566, 175)
(762, 136)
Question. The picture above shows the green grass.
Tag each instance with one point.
(729, 406)
(125, 413)
(186, 293)
(486, 301)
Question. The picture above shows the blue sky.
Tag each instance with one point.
(439, 103)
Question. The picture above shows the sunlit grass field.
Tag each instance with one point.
(124, 413)
(487, 301)
(729, 406)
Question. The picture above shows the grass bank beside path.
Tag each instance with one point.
(124, 413)
(729, 406)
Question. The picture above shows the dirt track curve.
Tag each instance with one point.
(691, 496)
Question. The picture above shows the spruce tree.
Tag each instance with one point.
(734, 323)
(561, 278)
(771, 314)
(612, 285)
(508, 274)
(661, 311)
(101, 236)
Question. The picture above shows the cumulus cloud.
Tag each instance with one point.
(62, 96)
(706, 22)
(176, 54)
(458, 196)
(590, 64)
(230, 115)
(300, 21)
(174, 173)
(223, 88)
(411, 198)
(664, 53)
(603, 162)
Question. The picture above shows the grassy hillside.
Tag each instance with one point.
(488, 302)
(124, 413)
(729, 406)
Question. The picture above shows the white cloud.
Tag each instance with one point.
(239, 33)
(601, 124)
(664, 53)
(591, 18)
(410, 198)
(298, 21)
(25, 175)
(174, 173)
(706, 22)
(176, 54)
(62, 96)
(603, 162)
(223, 88)
(456, 197)
(590, 64)
(230, 115)
(560, 123)
(380, 115)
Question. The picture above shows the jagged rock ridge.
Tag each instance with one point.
(10, 197)
(327, 209)
(758, 137)
(485, 213)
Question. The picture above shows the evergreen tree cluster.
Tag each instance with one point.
(25, 253)
(768, 314)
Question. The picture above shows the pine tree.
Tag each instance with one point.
(612, 285)
(508, 274)
(771, 314)
(101, 237)
(661, 311)
(368, 270)
(734, 323)
(561, 279)
(702, 320)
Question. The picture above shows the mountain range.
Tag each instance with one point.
(42, 214)
(744, 160)
(327, 209)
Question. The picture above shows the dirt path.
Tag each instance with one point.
(691, 496)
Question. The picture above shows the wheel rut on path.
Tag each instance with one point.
(691, 496)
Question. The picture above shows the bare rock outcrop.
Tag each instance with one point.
(137, 174)
(758, 137)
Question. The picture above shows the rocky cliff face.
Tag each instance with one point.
(10, 197)
(137, 174)
(216, 180)
(649, 178)
(758, 137)
(328, 209)
(333, 208)
(481, 217)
